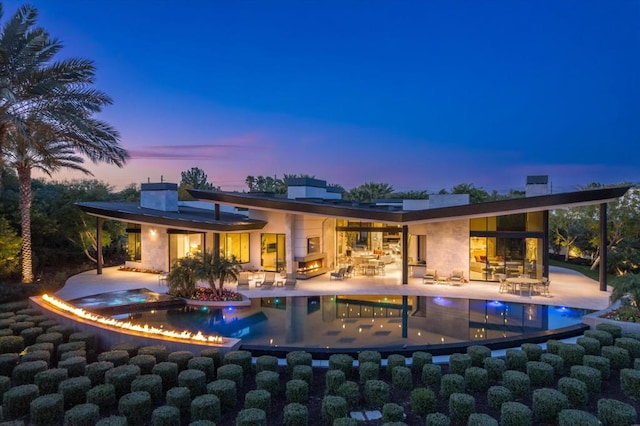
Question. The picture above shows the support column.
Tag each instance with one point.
(603, 247)
(216, 235)
(99, 222)
(545, 243)
(405, 317)
(405, 253)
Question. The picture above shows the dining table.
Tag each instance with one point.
(519, 283)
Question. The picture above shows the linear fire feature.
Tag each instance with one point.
(311, 266)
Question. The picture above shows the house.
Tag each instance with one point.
(312, 230)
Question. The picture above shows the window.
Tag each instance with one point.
(236, 245)
(184, 243)
(134, 242)
(272, 257)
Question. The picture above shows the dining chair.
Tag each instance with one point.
(456, 277)
(430, 276)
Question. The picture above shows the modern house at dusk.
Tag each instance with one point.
(312, 231)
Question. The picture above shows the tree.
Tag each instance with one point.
(195, 178)
(9, 249)
(182, 278)
(266, 184)
(212, 269)
(411, 195)
(47, 113)
(370, 191)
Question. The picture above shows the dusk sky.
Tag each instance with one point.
(422, 95)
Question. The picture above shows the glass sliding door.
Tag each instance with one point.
(183, 244)
(273, 252)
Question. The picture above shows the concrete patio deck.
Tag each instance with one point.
(568, 288)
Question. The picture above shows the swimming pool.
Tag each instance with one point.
(351, 323)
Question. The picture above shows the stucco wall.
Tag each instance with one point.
(448, 246)
(155, 247)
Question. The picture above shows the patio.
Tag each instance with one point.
(568, 288)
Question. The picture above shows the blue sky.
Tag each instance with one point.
(422, 95)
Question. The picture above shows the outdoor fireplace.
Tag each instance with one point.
(311, 265)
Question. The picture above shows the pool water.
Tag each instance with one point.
(356, 321)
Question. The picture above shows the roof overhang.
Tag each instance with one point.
(187, 218)
(467, 211)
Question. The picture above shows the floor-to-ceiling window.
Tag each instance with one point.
(134, 242)
(273, 252)
(236, 245)
(184, 243)
(511, 245)
(356, 239)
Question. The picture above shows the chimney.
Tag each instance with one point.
(537, 185)
(159, 196)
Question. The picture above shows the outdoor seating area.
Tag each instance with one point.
(524, 285)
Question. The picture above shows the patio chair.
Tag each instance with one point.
(269, 279)
(281, 279)
(456, 277)
(290, 282)
(504, 284)
(243, 280)
(337, 275)
(544, 291)
(430, 276)
(348, 273)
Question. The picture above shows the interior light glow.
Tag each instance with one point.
(146, 329)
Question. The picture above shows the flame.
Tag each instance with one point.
(174, 334)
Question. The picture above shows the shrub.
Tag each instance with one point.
(297, 391)
(16, 401)
(75, 365)
(575, 390)
(376, 393)
(181, 358)
(392, 412)
(168, 371)
(194, 380)
(25, 373)
(104, 396)
(618, 357)
(555, 361)
(481, 419)
(121, 378)
(419, 359)
(451, 383)
(577, 418)
(113, 421)
(298, 358)
(117, 358)
(11, 344)
(48, 380)
(613, 412)
(303, 372)
(515, 414)
(333, 380)
(423, 401)
(19, 326)
(431, 374)
(82, 414)
(158, 351)
(74, 390)
(136, 407)
(269, 381)
(540, 373)
(65, 330)
(599, 363)
(630, 382)
(401, 378)
(87, 337)
(96, 371)
(571, 354)
(251, 417)
(478, 354)
(342, 362)
(41, 347)
(590, 376)
(258, 398)
(369, 371)
(47, 409)
(333, 407)
(30, 334)
(203, 364)
(458, 363)
(241, 358)
(517, 382)
(437, 419)
(605, 338)
(631, 345)
(547, 404)
(266, 363)
(131, 348)
(553, 346)
(495, 368)
(214, 354)
(533, 351)
(591, 346)
(497, 395)
(226, 392)
(165, 415)
(151, 383)
(369, 356)
(8, 362)
(296, 414)
(70, 346)
(516, 359)
(69, 354)
(145, 362)
(350, 391)
(395, 360)
(5, 385)
(231, 372)
(205, 407)
(180, 398)
(614, 330)
(461, 405)
(476, 379)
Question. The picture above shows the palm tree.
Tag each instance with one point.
(182, 278)
(215, 268)
(46, 112)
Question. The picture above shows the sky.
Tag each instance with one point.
(422, 95)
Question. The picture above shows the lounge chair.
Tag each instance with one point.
(337, 275)
(269, 279)
(243, 280)
(290, 282)
(281, 279)
(348, 273)
(456, 277)
(430, 276)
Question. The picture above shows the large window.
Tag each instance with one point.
(235, 245)
(184, 243)
(272, 256)
(134, 242)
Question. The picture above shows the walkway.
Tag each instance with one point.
(568, 288)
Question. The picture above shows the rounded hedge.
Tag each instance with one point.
(369, 356)
(296, 414)
(16, 401)
(599, 363)
(241, 358)
(533, 351)
(194, 380)
(205, 407)
(478, 354)
(540, 373)
(590, 376)
(121, 378)
(401, 378)
(476, 379)
(547, 404)
(350, 391)
(168, 371)
(298, 358)
(518, 383)
(231, 372)
(516, 360)
(333, 380)
(614, 330)
(158, 351)
(423, 401)
(145, 362)
(151, 383)
(116, 357)
(130, 347)
(258, 398)
(74, 390)
(571, 354)
(555, 361)
(136, 407)
(392, 412)
(165, 415)
(495, 368)
(251, 417)
(419, 359)
(25, 373)
(605, 339)
(575, 390)
(497, 395)
(572, 417)
(333, 407)
(618, 357)
(303, 372)
(368, 371)
(48, 380)
(103, 395)
(376, 393)
(297, 391)
(269, 381)
(461, 405)
(451, 383)
(342, 362)
(75, 365)
(458, 363)
(214, 354)
(226, 392)
(613, 412)
(630, 382)
(96, 371)
(181, 358)
(82, 415)
(481, 419)
(591, 346)
(47, 409)
(515, 414)
(266, 363)
(437, 419)
(180, 398)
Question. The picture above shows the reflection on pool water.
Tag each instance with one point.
(364, 321)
